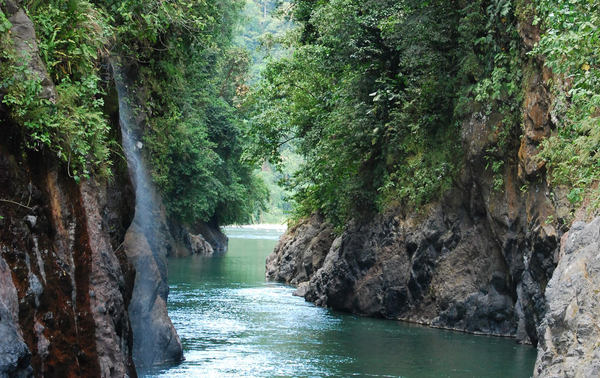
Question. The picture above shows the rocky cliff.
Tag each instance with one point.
(505, 251)
(477, 260)
(66, 284)
(570, 337)
(83, 269)
(484, 259)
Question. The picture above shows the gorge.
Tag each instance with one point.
(441, 159)
(463, 201)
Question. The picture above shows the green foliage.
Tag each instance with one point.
(71, 35)
(146, 26)
(570, 46)
(260, 31)
(280, 206)
(190, 81)
(373, 95)
(5, 25)
(491, 73)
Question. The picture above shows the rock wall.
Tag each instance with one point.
(202, 239)
(501, 262)
(478, 260)
(570, 343)
(155, 340)
(301, 251)
(65, 284)
(450, 266)
(83, 269)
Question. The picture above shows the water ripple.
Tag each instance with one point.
(232, 323)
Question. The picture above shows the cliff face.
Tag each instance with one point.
(517, 260)
(83, 270)
(65, 283)
(478, 260)
(570, 342)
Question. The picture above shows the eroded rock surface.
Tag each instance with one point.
(570, 343)
(64, 290)
(301, 251)
(15, 356)
(155, 339)
(443, 267)
(477, 260)
(202, 239)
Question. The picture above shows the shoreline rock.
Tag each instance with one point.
(570, 346)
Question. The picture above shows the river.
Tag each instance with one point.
(233, 323)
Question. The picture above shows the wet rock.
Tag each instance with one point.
(201, 239)
(155, 339)
(14, 354)
(200, 246)
(301, 251)
(301, 290)
(31, 221)
(489, 313)
(108, 289)
(35, 288)
(396, 267)
(570, 346)
(213, 235)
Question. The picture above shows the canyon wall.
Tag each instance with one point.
(569, 334)
(477, 260)
(482, 258)
(83, 269)
(509, 260)
(66, 282)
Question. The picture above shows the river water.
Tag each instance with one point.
(233, 323)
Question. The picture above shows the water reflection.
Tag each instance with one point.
(232, 323)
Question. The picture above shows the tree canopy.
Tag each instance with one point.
(373, 93)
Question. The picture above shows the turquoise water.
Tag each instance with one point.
(233, 323)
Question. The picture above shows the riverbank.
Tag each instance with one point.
(234, 323)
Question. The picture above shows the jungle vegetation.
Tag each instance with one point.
(366, 97)
(373, 94)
